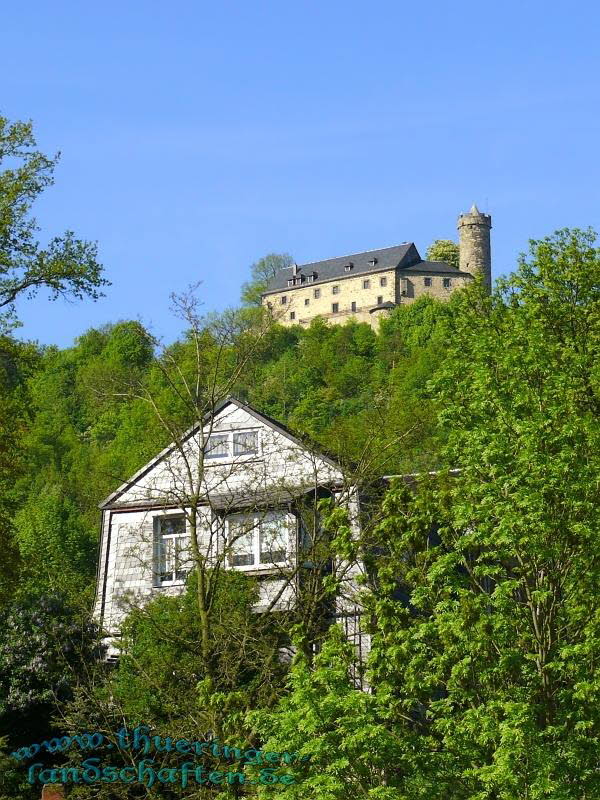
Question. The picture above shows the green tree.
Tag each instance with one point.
(262, 271)
(444, 250)
(45, 645)
(501, 638)
(18, 362)
(482, 587)
(66, 266)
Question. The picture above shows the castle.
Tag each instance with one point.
(367, 286)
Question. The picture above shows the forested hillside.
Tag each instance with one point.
(350, 390)
(481, 591)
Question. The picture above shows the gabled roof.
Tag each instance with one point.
(404, 257)
(264, 418)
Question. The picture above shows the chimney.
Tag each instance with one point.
(474, 244)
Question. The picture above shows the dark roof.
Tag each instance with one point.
(381, 306)
(402, 256)
(434, 267)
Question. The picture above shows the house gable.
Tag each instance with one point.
(283, 456)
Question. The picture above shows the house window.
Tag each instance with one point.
(292, 315)
(217, 446)
(335, 307)
(379, 299)
(383, 281)
(447, 283)
(172, 556)
(238, 443)
(317, 293)
(427, 281)
(353, 305)
(283, 300)
(255, 540)
(245, 443)
(335, 290)
(306, 301)
(366, 284)
(348, 267)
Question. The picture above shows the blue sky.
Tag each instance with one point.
(196, 137)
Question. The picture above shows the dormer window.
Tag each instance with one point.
(348, 267)
(372, 262)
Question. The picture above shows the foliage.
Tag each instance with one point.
(161, 665)
(444, 250)
(17, 362)
(67, 266)
(44, 648)
(339, 732)
(261, 272)
(480, 588)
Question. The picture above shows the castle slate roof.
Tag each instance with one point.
(402, 256)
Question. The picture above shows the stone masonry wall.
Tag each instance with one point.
(303, 303)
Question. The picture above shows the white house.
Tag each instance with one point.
(251, 478)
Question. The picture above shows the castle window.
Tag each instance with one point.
(335, 307)
(292, 315)
(172, 560)
(283, 300)
(383, 281)
(366, 284)
(379, 299)
(447, 283)
(348, 267)
(255, 540)
(335, 290)
(317, 293)
(353, 305)
(427, 281)
(306, 301)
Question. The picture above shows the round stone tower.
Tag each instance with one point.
(474, 244)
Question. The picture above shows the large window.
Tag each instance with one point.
(172, 552)
(258, 540)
